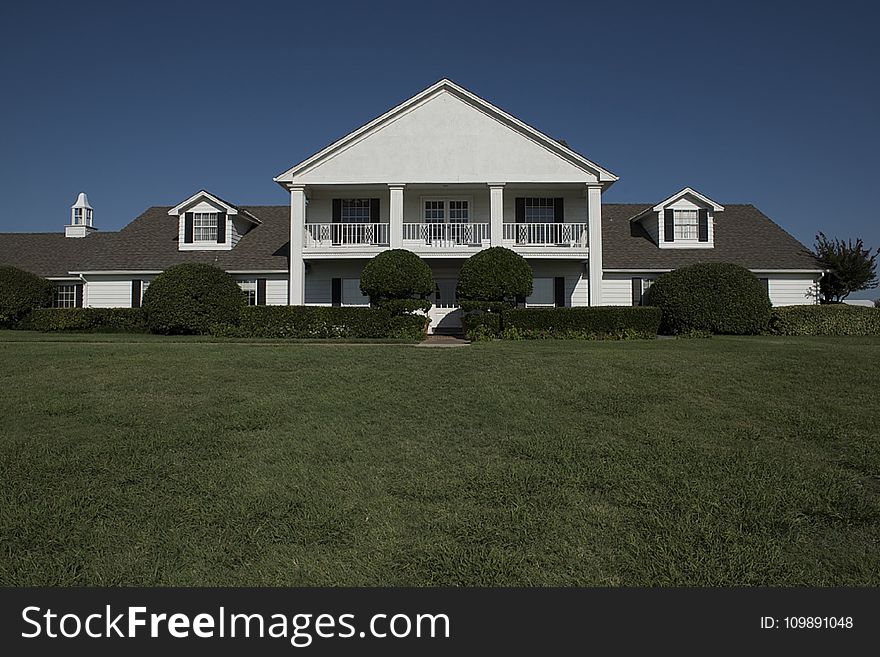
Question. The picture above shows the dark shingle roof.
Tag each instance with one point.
(743, 235)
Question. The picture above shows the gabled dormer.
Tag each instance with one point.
(208, 223)
(685, 220)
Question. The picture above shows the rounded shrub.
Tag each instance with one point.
(398, 281)
(492, 277)
(718, 297)
(20, 293)
(192, 299)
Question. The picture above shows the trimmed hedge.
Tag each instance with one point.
(87, 320)
(192, 299)
(321, 322)
(20, 293)
(478, 326)
(829, 319)
(587, 323)
(399, 281)
(714, 296)
(492, 276)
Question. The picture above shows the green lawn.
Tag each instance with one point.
(728, 461)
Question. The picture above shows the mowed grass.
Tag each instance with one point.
(728, 461)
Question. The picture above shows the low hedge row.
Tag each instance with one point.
(86, 320)
(831, 319)
(320, 322)
(588, 323)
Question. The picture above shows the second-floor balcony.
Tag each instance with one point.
(445, 237)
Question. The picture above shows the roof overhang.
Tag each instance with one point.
(558, 148)
(203, 195)
(687, 192)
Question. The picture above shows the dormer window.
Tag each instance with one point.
(686, 224)
(205, 226)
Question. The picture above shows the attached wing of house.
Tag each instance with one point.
(444, 174)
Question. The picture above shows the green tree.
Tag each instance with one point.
(850, 267)
(398, 281)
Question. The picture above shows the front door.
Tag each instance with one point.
(445, 313)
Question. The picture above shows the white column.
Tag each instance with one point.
(496, 214)
(395, 226)
(594, 218)
(296, 294)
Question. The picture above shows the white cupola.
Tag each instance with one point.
(81, 218)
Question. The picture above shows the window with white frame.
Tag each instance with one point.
(356, 211)
(144, 286)
(540, 210)
(77, 216)
(64, 296)
(459, 212)
(249, 287)
(205, 226)
(686, 224)
(435, 212)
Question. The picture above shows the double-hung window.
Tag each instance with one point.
(686, 224)
(64, 296)
(540, 210)
(205, 226)
(249, 287)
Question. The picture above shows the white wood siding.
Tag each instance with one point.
(321, 274)
(790, 289)
(617, 288)
(110, 291)
(577, 290)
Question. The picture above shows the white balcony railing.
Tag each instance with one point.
(320, 235)
(446, 235)
(570, 235)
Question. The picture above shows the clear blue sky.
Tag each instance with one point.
(139, 104)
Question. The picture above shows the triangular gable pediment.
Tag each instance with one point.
(445, 134)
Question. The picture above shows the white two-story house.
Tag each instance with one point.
(444, 174)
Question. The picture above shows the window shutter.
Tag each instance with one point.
(188, 228)
(221, 228)
(520, 206)
(668, 226)
(766, 283)
(336, 292)
(559, 210)
(559, 291)
(704, 225)
(79, 295)
(374, 210)
(337, 210)
(136, 286)
(520, 302)
(261, 291)
(637, 292)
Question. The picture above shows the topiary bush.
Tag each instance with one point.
(718, 297)
(87, 320)
(20, 293)
(192, 299)
(321, 322)
(492, 277)
(830, 319)
(398, 281)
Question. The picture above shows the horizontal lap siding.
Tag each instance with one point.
(791, 290)
(617, 288)
(110, 291)
(577, 290)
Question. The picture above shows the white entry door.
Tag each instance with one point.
(445, 313)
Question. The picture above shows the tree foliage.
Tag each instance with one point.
(494, 276)
(850, 267)
(398, 281)
(718, 297)
(20, 293)
(192, 299)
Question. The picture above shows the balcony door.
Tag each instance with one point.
(447, 221)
